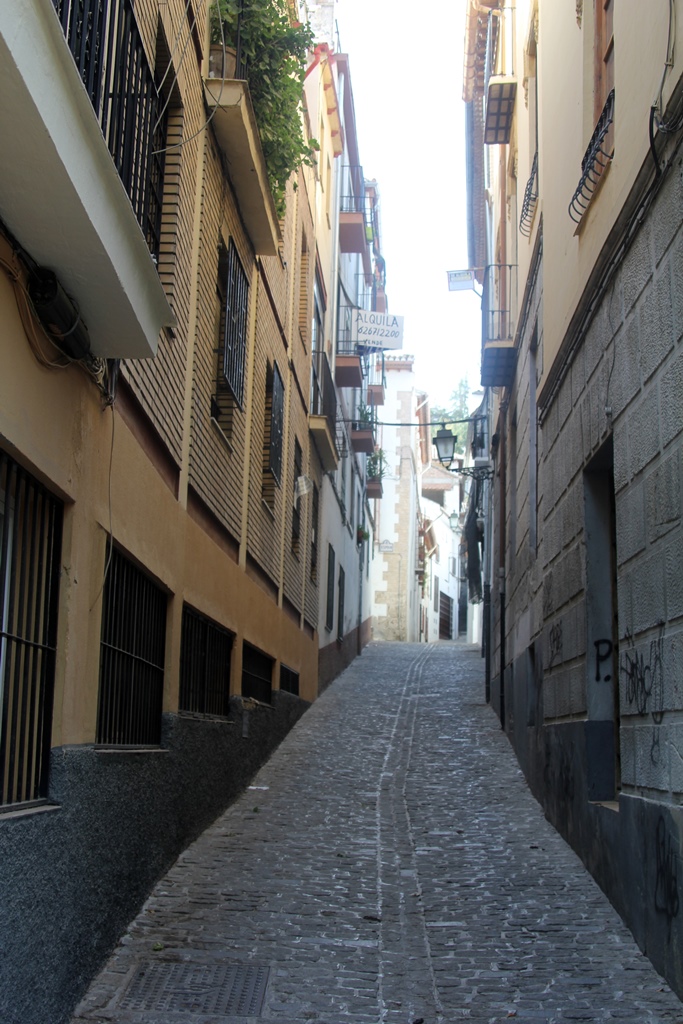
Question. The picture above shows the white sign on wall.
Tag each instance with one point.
(377, 330)
(460, 280)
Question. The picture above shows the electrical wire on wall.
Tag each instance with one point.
(18, 267)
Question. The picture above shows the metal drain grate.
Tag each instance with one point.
(232, 990)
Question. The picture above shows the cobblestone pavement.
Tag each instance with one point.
(388, 865)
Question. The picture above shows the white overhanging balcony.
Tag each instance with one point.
(232, 117)
(60, 192)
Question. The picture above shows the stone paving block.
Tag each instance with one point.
(398, 868)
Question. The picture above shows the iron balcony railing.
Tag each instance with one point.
(499, 299)
(596, 158)
(353, 200)
(106, 45)
(376, 376)
(323, 394)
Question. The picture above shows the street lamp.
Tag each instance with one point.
(445, 445)
(444, 442)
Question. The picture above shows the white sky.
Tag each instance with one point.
(406, 72)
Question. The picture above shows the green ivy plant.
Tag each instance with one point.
(276, 53)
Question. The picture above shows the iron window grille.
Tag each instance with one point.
(276, 420)
(233, 296)
(289, 680)
(340, 605)
(315, 515)
(205, 652)
(30, 549)
(106, 45)
(596, 158)
(131, 657)
(530, 199)
(296, 511)
(329, 612)
(257, 674)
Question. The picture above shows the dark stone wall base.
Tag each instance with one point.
(631, 845)
(74, 875)
(335, 657)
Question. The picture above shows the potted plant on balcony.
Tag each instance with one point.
(274, 51)
(362, 534)
(362, 432)
(374, 472)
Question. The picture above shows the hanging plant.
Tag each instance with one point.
(275, 52)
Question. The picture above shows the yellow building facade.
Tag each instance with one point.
(160, 563)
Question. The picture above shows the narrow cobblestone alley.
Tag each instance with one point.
(388, 865)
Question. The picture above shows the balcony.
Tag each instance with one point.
(237, 135)
(499, 355)
(374, 474)
(376, 385)
(364, 431)
(322, 416)
(500, 107)
(84, 205)
(348, 366)
(356, 218)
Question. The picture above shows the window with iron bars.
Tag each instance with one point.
(296, 511)
(315, 515)
(257, 674)
(30, 547)
(272, 435)
(329, 613)
(289, 680)
(132, 646)
(232, 312)
(205, 652)
(107, 47)
(340, 606)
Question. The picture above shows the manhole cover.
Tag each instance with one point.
(233, 990)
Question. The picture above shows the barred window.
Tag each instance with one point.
(131, 656)
(289, 680)
(329, 616)
(205, 653)
(232, 313)
(340, 606)
(257, 674)
(315, 515)
(30, 546)
(272, 434)
(296, 511)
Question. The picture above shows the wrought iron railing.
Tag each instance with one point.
(375, 369)
(595, 160)
(498, 305)
(106, 45)
(323, 394)
(353, 200)
(530, 199)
